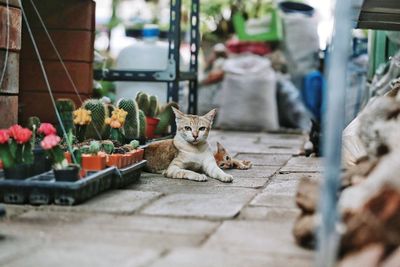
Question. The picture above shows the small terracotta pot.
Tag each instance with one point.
(151, 127)
(114, 160)
(93, 163)
(140, 154)
(68, 157)
(126, 159)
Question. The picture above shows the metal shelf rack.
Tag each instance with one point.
(172, 75)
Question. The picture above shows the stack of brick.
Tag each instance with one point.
(9, 87)
(71, 25)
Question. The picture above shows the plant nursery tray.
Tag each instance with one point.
(126, 176)
(43, 189)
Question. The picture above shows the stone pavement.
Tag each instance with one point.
(161, 222)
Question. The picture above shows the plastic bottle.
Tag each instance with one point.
(146, 54)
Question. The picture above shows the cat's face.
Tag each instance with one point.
(223, 159)
(194, 129)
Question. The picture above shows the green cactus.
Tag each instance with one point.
(134, 143)
(117, 135)
(153, 106)
(166, 117)
(138, 96)
(66, 107)
(94, 147)
(131, 127)
(107, 146)
(144, 103)
(143, 125)
(85, 149)
(107, 128)
(99, 113)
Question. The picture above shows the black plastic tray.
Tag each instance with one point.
(126, 176)
(43, 189)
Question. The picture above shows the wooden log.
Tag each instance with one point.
(10, 84)
(8, 110)
(14, 29)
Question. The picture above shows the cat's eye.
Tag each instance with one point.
(202, 128)
(227, 158)
(187, 128)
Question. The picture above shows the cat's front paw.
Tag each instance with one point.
(198, 178)
(226, 178)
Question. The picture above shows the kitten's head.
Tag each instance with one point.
(194, 129)
(223, 159)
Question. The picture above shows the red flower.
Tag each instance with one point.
(47, 129)
(4, 136)
(13, 130)
(19, 134)
(50, 141)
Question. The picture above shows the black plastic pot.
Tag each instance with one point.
(41, 162)
(295, 7)
(69, 174)
(18, 172)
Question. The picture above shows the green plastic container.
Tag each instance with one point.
(273, 32)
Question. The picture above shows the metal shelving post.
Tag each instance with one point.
(172, 74)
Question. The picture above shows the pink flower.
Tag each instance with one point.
(19, 134)
(4, 136)
(50, 141)
(47, 129)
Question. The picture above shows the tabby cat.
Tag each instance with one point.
(225, 161)
(188, 155)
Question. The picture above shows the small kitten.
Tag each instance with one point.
(188, 155)
(225, 161)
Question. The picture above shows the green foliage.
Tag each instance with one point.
(85, 149)
(99, 114)
(131, 127)
(153, 106)
(166, 117)
(117, 135)
(94, 147)
(143, 103)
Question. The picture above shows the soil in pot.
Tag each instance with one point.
(68, 174)
(18, 172)
(151, 127)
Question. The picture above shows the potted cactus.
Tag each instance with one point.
(63, 171)
(16, 152)
(149, 105)
(113, 159)
(82, 118)
(41, 162)
(99, 113)
(132, 123)
(92, 158)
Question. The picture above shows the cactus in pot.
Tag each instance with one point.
(166, 117)
(99, 114)
(131, 126)
(107, 146)
(143, 125)
(66, 108)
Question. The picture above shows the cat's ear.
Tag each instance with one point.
(178, 114)
(210, 115)
(220, 148)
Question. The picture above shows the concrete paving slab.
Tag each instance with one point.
(257, 237)
(224, 205)
(85, 255)
(265, 159)
(303, 164)
(266, 199)
(116, 201)
(219, 258)
(283, 215)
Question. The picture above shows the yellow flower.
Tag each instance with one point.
(82, 116)
(117, 119)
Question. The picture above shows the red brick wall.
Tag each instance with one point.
(71, 24)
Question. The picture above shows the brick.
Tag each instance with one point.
(32, 80)
(10, 84)
(39, 104)
(14, 30)
(8, 110)
(72, 45)
(61, 14)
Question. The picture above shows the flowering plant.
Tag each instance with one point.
(82, 118)
(116, 122)
(46, 129)
(16, 146)
(51, 144)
